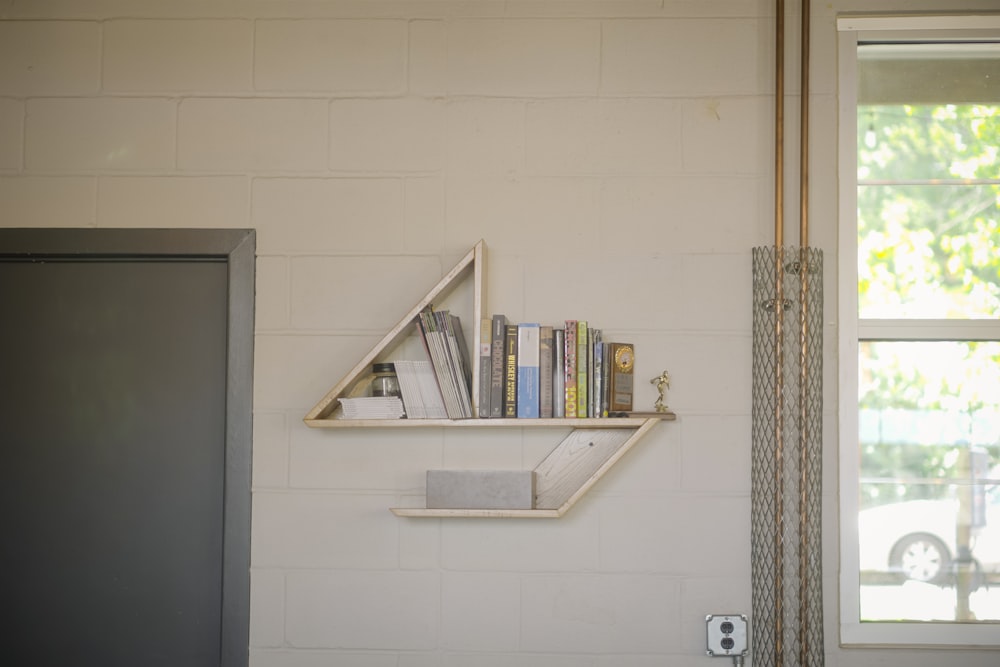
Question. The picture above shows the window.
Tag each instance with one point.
(920, 330)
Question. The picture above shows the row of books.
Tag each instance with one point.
(526, 370)
(529, 370)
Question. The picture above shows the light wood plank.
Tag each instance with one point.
(608, 423)
(476, 514)
(573, 462)
(606, 466)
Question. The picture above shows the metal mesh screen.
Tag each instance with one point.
(785, 550)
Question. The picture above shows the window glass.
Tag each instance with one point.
(928, 203)
(920, 461)
(929, 519)
(904, 142)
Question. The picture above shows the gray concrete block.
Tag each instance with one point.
(481, 489)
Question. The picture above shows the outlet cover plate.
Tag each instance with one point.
(726, 634)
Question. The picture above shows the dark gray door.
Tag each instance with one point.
(124, 494)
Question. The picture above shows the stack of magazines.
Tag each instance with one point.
(373, 407)
(441, 334)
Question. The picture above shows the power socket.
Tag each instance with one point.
(727, 634)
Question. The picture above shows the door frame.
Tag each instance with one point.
(237, 247)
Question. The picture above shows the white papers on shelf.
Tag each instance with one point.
(372, 407)
(421, 394)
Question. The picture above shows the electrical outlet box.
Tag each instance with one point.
(726, 634)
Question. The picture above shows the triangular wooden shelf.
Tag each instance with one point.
(474, 262)
(574, 466)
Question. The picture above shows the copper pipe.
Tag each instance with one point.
(779, 124)
(779, 335)
(804, 519)
(804, 131)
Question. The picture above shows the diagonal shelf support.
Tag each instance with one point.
(579, 461)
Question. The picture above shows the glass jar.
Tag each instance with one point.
(385, 382)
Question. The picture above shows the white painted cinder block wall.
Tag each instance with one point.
(617, 159)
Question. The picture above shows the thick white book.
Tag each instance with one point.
(527, 370)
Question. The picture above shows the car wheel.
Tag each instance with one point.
(921, 557)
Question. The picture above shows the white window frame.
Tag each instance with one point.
(854, 632)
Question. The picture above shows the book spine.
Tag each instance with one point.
(485, 365)
(606, 375)
(558, 373)
(595, 396)
(498, 334)
(582, 377)
(463, 362)
(528, 381)
(510, 371)
(569, 369)
(546, 337)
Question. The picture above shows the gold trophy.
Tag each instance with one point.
(662, 382)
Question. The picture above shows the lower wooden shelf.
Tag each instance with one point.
(473, 514)
(568, 472)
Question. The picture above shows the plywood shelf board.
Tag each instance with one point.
(475, 514)
(590, 422)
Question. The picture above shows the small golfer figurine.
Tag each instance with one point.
(662, 382)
